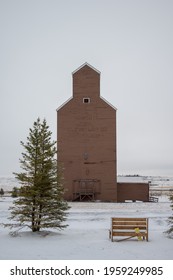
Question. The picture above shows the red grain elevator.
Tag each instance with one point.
(86, 126)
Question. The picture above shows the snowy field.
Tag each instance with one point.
(86, 237)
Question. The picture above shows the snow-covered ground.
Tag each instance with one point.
(86, 237)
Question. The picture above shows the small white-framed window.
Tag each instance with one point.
(86, 100)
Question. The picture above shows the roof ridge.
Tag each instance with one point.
(86, 64)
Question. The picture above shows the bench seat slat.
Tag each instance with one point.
(128, 233)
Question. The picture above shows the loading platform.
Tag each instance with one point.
(85, 189)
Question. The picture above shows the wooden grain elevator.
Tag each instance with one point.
(86, 137)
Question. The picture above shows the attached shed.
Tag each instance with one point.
(132, 191)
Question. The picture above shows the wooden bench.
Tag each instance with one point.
(129, 228)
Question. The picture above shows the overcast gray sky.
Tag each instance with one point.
(129, 41)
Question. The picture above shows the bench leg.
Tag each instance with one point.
(110, 235)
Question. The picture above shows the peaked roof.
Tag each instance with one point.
(86, 64)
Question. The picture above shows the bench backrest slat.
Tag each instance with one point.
(128, 227)
(128, 219)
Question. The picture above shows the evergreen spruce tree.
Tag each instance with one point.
(14, 192)
(169, 232)
(1, 192)
(40, 201)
